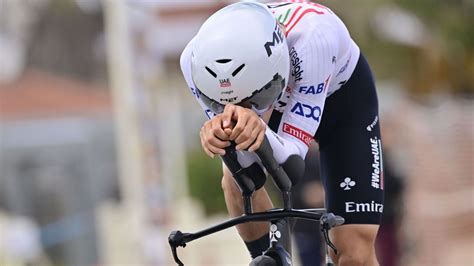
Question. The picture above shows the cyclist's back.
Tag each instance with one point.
(310, 22)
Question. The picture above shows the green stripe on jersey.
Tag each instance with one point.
(286, 17)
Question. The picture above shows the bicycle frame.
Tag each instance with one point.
(279, 251)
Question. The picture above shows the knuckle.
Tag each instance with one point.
(245, 135)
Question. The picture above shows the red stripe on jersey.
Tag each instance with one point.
(321, 6)
(293, 16)
(326, 83)
(301, 16)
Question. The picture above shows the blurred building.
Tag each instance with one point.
(58, 160)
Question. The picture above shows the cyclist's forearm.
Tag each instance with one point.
(284, 147)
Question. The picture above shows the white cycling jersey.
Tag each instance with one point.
(322, 57)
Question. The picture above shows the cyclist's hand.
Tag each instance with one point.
(249, 131)
(214, 138)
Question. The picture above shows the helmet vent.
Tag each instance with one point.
(211, 72)
(223, 61)
(237, 70)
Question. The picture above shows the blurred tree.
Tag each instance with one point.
(451, 50)
(443, 61)
(205, 181)
(67, 41)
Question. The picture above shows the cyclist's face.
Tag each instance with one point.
(250, 106)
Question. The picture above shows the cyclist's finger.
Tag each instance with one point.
(253, 126)
(258, 141)
(220, 134)
(204, 145)
(247, 139)
(212, 143)
(228, 131)
(208, 152)
(211, 150)
(239, 127)
(215, 150)
(216, 142)
(227, 115)
(216, 128)
(244, 145)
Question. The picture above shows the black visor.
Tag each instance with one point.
(259, 100)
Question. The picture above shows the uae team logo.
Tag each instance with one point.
(224, 83)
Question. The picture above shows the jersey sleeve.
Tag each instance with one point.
(185, 63)
(312, 58)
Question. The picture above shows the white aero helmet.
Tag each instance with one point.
(240, 56)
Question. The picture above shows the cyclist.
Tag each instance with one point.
(298, 62)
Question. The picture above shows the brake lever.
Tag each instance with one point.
(327, 240)
(328, 221)
(176, 239)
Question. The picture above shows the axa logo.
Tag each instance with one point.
(347, 183)
(274, 233)
(277, 38)
(296, 70)
(306, 110)
(224, 83)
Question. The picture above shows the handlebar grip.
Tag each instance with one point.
(248, 179)
(265, 153)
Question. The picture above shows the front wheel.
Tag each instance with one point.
(263, 260)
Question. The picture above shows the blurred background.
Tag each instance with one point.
(99, 148)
